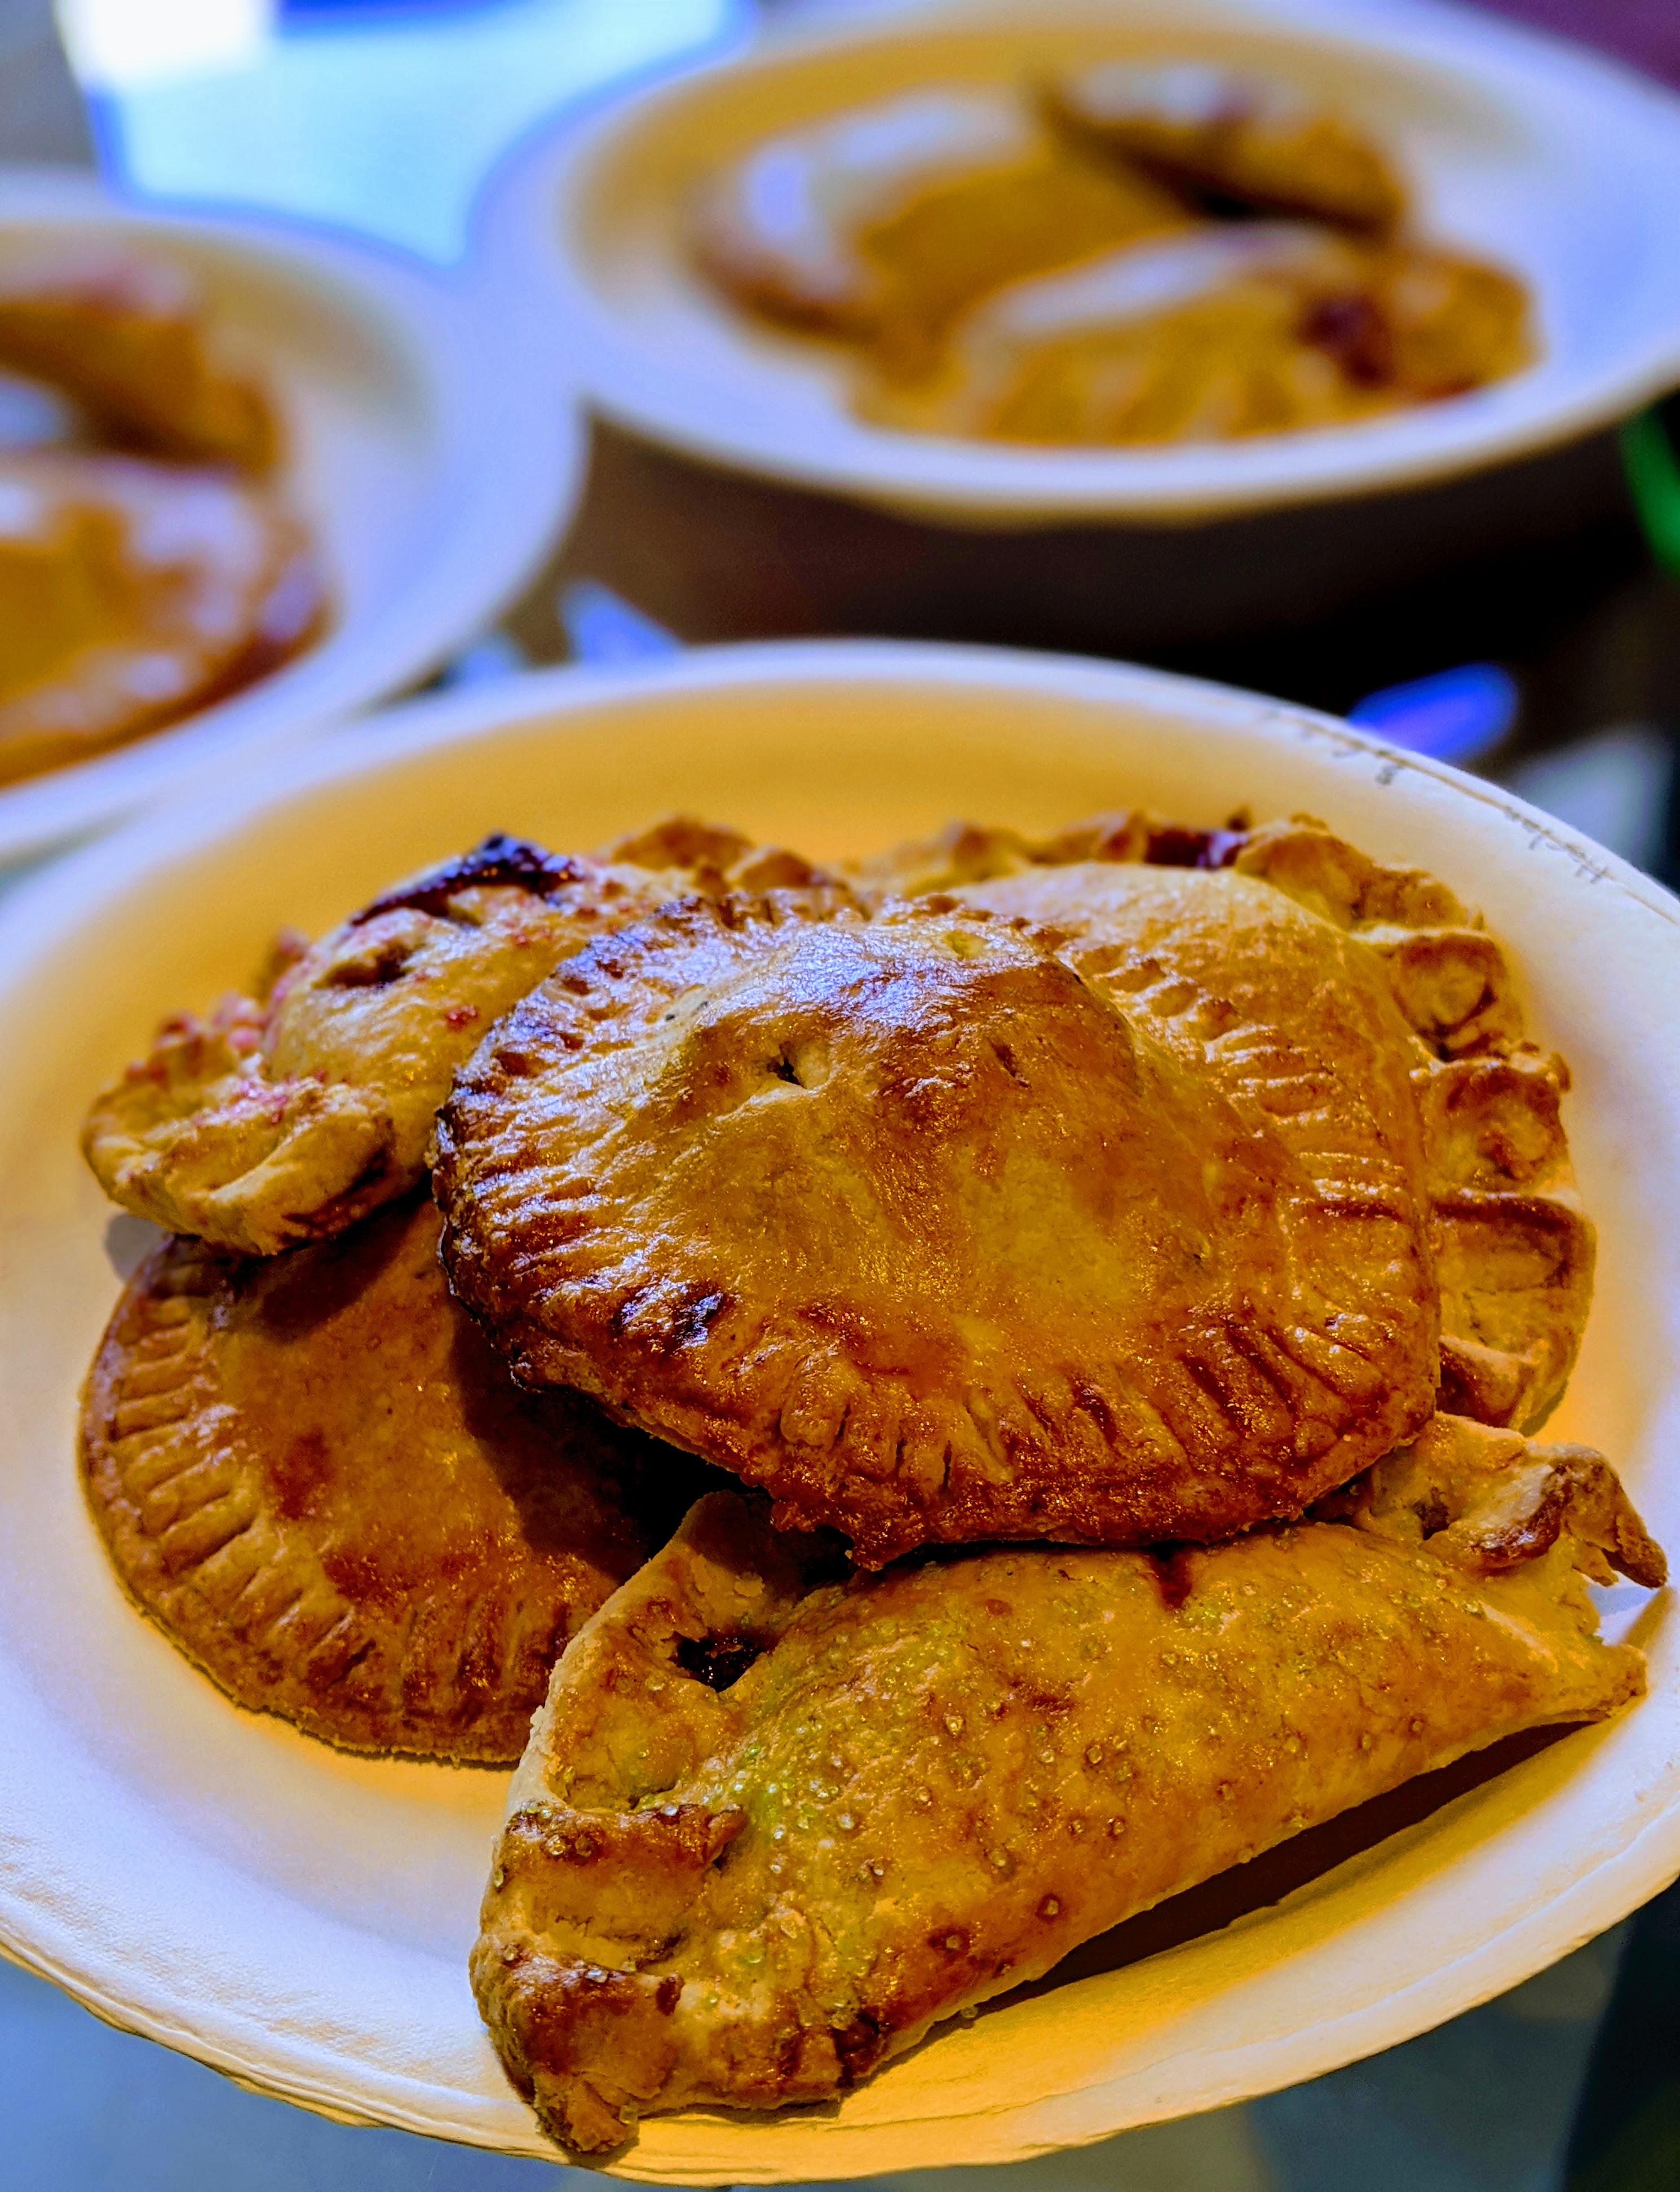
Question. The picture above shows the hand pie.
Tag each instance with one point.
(282, 1121)
(771, 1827)
(317, 1478)
(1081, 264)
(1226, 330)
(1238, 140)
(1513, 1251)
(882, 224)
(935, 1240)
(131, 593)
(127, 340)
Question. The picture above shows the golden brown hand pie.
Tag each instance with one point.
(1235, 139)
(1212, 955)
(911, 1225)
(1078, 267)
(280, 1121)
(1229, 329)
(127, 339)
(772, 1828)
(881, 225)
(132, 593)
(316, 1477)
(1193, 335)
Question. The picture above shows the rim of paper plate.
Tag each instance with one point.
(693, 375)
(69, 1910)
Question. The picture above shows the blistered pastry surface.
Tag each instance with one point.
(771, 1827)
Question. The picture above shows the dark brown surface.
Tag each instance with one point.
(498, 860)
(1320, 604)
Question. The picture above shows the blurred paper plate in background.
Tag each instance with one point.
(434, 455)
(299, 1918)
(1562, 165)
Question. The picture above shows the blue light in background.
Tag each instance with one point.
(386, 120)
(601, 627)
(1453, 717)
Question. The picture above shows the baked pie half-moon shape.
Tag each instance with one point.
(127, 339)
(1202, 933)
(316, 1477)
(284, 1119)
(1246, 142)
(911, 1224)
(1228, 329)
(773, 1827)
(881, 225)
(131, 593)
(1079, 263)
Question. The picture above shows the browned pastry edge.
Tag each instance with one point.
(857, 1808)
(86, 705)
(266, 1125)
(122, 335)
(314, 1476)
(1243, 150)
(760, 1269)
(1515, 1249)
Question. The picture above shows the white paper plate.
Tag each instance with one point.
(435, 454)
(1562, 165)
(302, 1919)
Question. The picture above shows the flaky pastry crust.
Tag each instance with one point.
(284, 1120)
(1229, 330)
(1075, 263)
(771, 1827)
(1203, 933)
(316, 1477)
(935, 1239)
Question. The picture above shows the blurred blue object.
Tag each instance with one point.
(380, 119)
(1454, 715)
(601, 627)
(331, 10)
(495, 656)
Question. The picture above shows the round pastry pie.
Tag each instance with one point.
(1118, 1191)
(1143, 910)
(914, 1224)
(317, 1477)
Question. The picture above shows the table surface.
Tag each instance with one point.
(1572, 2081)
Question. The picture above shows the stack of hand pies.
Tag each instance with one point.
(1121, 1276)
